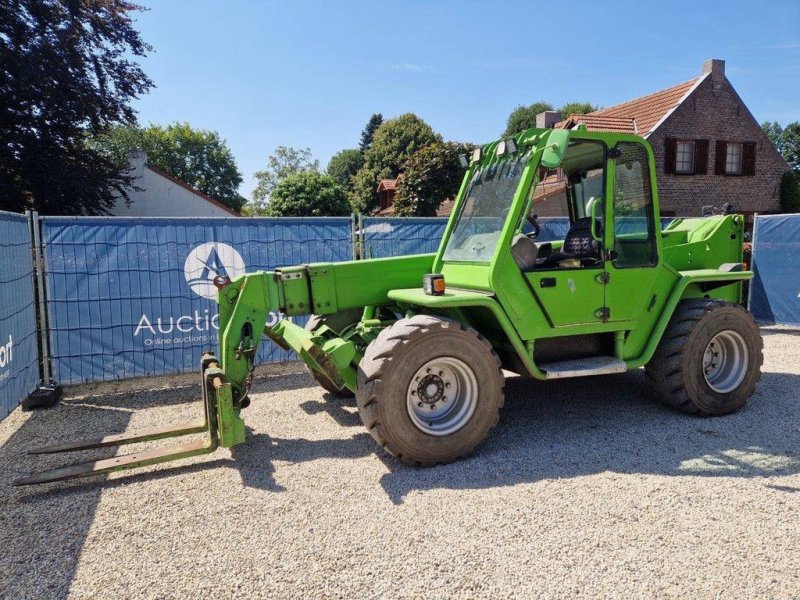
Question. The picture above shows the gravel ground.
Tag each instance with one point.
(588, 488)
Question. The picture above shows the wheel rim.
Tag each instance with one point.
(442, 396)
(725, 361)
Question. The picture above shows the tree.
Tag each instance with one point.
(577, 108)
(393, 143)
(66, 69)
(344, 165)
(283, 162)
(789, 193)
(774, 131)
(308, 194)
(790, 145)
(375, 121)
(524, 117)
(431, 175)
(197, 156)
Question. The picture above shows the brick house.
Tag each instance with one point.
(386, 192)
(387, 188)
(709, 149)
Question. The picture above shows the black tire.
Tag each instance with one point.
(338, 322)
(677, 371)
(385, 374)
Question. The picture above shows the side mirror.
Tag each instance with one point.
(556, 147)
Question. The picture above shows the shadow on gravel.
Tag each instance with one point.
(336, 408)
(591, 425)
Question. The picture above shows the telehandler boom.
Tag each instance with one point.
(421, 340)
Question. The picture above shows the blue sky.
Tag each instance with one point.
(303, 73)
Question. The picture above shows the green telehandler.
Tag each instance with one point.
(422, 340)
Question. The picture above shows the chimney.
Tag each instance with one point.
(548, 118)
(716, 67)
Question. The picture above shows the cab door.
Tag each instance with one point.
(631, 264)
(575, 296)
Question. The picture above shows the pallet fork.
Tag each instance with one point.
(221, 423)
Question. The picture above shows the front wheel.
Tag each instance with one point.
(429, 389)
(709, 359)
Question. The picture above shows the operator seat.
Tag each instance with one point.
(578, 244)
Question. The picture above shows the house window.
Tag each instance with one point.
(684, 157)
(733, 159)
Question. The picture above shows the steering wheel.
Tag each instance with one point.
(532, 219)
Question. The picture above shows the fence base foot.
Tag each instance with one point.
(44, 396)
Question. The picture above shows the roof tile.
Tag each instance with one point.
(639, 116)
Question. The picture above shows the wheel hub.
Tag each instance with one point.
(725, 361)
(442, 396)
(431, 389)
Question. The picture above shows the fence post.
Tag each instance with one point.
(353, 234)
(362, 236)
(752, 260)
(38, 262)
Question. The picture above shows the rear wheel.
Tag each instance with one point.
(709, 359)
(341, 323)
(429, 389)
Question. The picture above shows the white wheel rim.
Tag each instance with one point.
(442, 396)
(725, 361)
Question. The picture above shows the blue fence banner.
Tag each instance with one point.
(399, 236)
(130, 297)
(775, 289)
(19, 354)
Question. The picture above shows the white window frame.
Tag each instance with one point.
(684, 157)
(734, 153)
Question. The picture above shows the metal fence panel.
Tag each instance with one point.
(775, 289)
(19, 369)
(131, 297)
(398, 236)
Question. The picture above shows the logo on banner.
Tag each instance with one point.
(6, 356)
(208, 261)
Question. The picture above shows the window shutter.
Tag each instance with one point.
(700, 157)
(670, 154)
(749, 158)
(719, 159)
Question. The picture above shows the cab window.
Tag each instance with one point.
(634, 224)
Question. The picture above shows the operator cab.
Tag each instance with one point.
(573, 190)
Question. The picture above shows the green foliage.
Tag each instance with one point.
(393, 143)
(344, 165)
(197, 156)
(524, 117)
(577, 108)
(283, 162)
(308, 194)
(790, 145)
(786, 140)
(431, 175)
(67, 69)
(375, 121)
(773, 131)
(789, 193)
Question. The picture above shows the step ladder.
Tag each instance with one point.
(583, 367)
